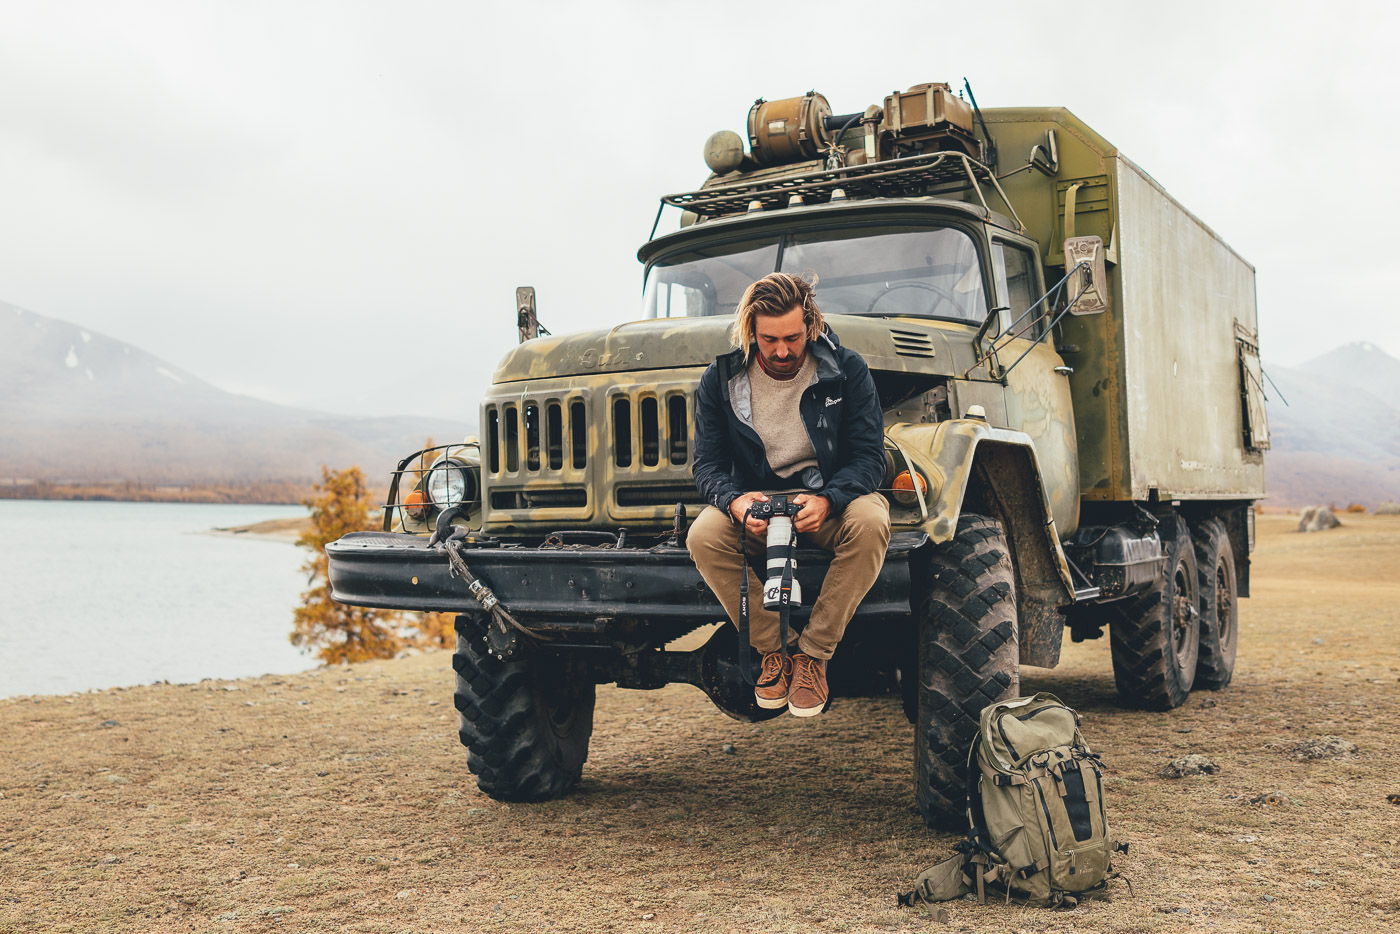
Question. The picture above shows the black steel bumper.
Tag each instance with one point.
(552, 587)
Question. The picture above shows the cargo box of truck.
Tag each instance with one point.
(1168, 403)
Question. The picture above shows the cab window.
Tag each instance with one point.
(1017, 288)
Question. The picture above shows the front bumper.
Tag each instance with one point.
(564, 587)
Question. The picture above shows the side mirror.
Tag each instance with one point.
(1088, 276)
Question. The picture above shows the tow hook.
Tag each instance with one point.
(503, 631)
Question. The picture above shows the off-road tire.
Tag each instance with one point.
(1220, 605)
(1155, 636)
(525, 722)
(968, 658)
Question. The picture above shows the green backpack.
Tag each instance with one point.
(1037, 828)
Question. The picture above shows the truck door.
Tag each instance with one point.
(1037, 389)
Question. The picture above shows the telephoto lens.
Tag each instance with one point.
(782, 550)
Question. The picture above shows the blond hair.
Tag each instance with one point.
(774, 295)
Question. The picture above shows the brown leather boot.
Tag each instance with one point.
(774, 680)
(809, 693)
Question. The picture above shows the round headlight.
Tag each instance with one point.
(447, 483)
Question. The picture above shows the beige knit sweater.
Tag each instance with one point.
(777, 419)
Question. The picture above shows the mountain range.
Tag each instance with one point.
(78, 407)
(1335, 425)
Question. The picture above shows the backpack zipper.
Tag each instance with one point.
(1050, 825)
(1103, 814)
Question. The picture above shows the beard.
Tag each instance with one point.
(786, 367)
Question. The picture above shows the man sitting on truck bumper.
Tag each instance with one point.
(802, 414)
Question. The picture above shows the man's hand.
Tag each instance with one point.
(814, 511)
(741, 505)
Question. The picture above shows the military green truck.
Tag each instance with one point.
(1068, 364)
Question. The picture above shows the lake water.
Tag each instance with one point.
(97, 595)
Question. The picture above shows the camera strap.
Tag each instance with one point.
(784, 599)
(785, 590)
(745, 650)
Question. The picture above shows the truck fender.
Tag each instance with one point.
(967, 461)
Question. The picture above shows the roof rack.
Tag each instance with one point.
(928, 174)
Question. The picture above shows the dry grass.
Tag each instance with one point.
(339, 799)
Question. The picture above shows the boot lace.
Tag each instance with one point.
(772, 669)
(804, 672)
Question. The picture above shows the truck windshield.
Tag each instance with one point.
(883, 271)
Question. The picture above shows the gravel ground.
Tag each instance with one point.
(340, 800)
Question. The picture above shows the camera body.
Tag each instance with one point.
(779, 511)
(778, 505)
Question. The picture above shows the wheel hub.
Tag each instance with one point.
(1185, 623)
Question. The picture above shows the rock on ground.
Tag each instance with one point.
(1388, 508)
(1325, 747)
(1189, 765)
(1317, 519)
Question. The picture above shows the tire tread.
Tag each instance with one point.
(1213, 670)
(968, 658)
(1144, 669)
(510, 747)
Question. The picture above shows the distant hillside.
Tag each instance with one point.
(1361, 365)
(79, 407)
(1338, 438)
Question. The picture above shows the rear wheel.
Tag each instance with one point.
(968, 658)
(525, 722)
(1220, 609)
(1156, 636)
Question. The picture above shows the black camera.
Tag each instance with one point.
(782, 551)
(777, 505)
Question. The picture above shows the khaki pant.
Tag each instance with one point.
(858, 535)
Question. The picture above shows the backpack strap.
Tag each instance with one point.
(941, 882)
(983, 871)
(1040, 865)
(976, 826)
(1021, 777)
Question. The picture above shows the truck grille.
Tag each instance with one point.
(666, 494)
(537, 452)
(658, 436)
(552, 435)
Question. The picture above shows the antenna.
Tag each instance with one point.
(991, 159)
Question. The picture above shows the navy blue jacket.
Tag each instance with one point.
(840, 409)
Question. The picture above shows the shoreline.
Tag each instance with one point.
(269, 530)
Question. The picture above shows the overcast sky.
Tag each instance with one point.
(331, 204)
